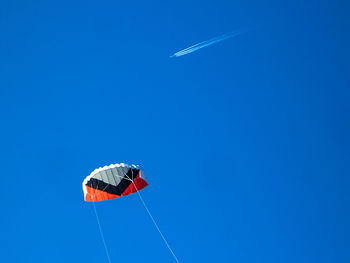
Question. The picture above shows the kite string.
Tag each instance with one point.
(101, 232)
(155, 223)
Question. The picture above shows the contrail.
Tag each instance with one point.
(206, 43)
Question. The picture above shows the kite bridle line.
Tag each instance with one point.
(147, 210)
(152, 218)
(98, 219)
(100, 228)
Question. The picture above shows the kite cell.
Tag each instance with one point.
(113, 181)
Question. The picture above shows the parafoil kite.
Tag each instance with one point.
(113, 181)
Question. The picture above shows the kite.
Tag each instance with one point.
(113, 181)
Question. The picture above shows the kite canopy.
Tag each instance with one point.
(113, 181)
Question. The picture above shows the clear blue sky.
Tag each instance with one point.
(245, 143)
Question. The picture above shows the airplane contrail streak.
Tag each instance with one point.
(205, 43)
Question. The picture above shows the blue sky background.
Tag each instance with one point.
(245, 144)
